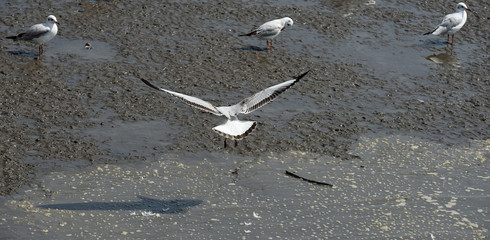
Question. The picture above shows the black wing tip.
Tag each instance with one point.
(302, 75)
(149, 84)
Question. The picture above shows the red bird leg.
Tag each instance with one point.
(452, 40)
(236, 143)
(225, 142)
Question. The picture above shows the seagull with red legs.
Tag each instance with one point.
(452, 23)
(39, 33)
(270, 30)
(234, 128)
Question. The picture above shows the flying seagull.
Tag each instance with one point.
(234, 128)
(270, 30)
(39, 33)
(452, 22)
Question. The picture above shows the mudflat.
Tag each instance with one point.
(396, 121)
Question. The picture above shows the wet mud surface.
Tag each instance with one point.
(374, 78)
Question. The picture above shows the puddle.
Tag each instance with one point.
(91, 50)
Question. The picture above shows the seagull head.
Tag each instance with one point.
(461, 7)
(52, 19)
(287, 21)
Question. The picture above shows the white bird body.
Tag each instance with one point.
(39, 33)
(453, 22)
(270, 29)
(234, 128)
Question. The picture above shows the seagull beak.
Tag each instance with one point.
(468, 9)
(57, 22)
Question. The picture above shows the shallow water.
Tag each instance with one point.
(399, 187)
(396, 121)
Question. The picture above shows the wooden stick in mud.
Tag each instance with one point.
(308, 180)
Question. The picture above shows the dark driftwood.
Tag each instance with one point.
(308, 180)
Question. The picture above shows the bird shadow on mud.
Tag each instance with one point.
(253, 48)
(433, 43)
(144, 204)
(24, 54)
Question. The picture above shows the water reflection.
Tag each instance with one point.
(447, 58)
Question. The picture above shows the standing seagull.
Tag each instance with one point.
(234, 128)
(39, 33)
(270, 30)
(452, 22)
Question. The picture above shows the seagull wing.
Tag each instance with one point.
(450, 21)
(267, 95)
(192, 101)
(269, 29)
(33, 32)
(269, 32)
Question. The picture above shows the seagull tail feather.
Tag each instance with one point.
(248, 34)
(16, 37)
(235, 129)
(427, 33)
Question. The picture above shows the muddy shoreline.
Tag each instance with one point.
(48, 104)
(396, 121)
(372, 73)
